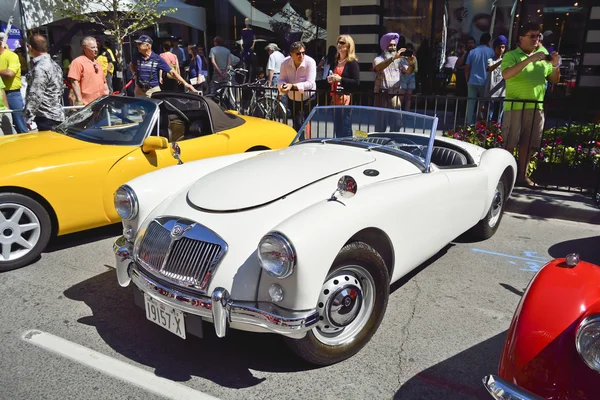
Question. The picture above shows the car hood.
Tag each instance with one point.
(34, 145)
(272, 175)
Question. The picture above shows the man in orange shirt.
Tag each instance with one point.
(86, 75)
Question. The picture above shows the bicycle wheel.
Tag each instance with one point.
(276, 111)
(257, 110)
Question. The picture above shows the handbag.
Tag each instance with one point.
(200, 79)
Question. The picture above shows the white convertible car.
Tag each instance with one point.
(305, 241)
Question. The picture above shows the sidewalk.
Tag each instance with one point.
(539, 203)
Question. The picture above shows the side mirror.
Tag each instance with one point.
(176, 152)
(154, 143)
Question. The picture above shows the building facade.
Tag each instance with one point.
(435, 27)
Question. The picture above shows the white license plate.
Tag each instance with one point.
(165, 316)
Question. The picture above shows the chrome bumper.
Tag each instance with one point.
(504, 390)
(219, 307)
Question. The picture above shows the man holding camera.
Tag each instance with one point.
(388, 68)
(526, 70)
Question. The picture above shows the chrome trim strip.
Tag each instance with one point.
(223, 311)
(504, 390)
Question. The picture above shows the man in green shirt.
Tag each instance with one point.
(526, 70)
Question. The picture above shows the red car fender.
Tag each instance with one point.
(539, 353)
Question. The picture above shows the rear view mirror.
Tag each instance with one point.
(154, 143)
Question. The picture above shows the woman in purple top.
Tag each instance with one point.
(196, 72)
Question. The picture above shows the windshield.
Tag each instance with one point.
(111, 120)
(409, 135)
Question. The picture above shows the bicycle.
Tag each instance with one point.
(224, 95)
(265, 102)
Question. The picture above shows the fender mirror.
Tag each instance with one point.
(176, 152)
(154, 143)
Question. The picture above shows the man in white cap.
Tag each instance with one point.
(388, 69)
(274, 64)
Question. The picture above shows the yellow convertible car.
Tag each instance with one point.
(63, 181)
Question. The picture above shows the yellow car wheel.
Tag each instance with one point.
(25, 229)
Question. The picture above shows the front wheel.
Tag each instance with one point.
(351, 305)
(25, 230)
(486, 228)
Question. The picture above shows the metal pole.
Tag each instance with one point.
(24, 29)
(494, 9)
(513, 11)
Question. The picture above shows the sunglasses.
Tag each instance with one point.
(534, 36)
(300, 53)
(342, 42)
(96, 67)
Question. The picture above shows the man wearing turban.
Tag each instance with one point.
(388, 68)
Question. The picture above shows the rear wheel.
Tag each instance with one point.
(25, 229)
(486, 228)
(351, 305)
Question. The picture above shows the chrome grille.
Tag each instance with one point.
(181, 251)
(155, 245)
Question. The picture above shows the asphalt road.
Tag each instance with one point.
(443, 330)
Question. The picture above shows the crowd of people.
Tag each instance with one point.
(517, 79)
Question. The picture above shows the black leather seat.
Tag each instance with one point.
(443, 156)
(196, 129)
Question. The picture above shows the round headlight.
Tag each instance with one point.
(126, 203)
(277, 255)
(588, 341)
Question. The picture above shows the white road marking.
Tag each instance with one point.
(113, 367)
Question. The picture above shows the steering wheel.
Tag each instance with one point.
(177, 111)
(403, 141)
(417, 149)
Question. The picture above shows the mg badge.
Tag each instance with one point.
(177, 231)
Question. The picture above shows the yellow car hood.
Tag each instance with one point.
(25, 146)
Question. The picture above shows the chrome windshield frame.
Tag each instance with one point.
(434, 120)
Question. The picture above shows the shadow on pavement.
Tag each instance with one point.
(588, 249)
(83, 237)
(459, 377)
(226, 362)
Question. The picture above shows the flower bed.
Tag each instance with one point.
(569, 155)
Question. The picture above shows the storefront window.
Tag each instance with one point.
(410, 19)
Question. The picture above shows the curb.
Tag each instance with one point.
(570, 206)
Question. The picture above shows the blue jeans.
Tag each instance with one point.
(15, 102)
(341, 122)
(474, 91)
(497, 110)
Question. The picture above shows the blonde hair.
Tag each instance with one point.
(351, 56)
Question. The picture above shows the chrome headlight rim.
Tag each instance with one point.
(287, 246)
(590, 322)
(130, 193)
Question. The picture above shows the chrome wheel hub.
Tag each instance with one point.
(497, 204)
(345, 305)
(19, 231)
